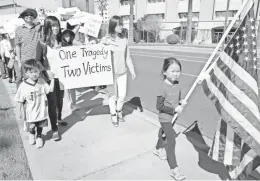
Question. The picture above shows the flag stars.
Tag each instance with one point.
(255, 60)
(253, 35)
(244, 28)
(231, 46)
(254, 51)
(251, 20)
(253, 43)
(245, 35)
(246, 50)
(237, 44)
(245, 43)
(252, 27)
(238, 51)
(237, 37)
(246, 59)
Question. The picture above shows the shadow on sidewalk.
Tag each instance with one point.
(90, 103)
(195, 137)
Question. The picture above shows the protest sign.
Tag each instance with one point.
(92, 23)
(83, 66)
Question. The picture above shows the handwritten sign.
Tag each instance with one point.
(83, 66)
(92, 23)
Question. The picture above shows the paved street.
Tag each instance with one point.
(148, 64)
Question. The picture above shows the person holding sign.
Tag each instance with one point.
(45, 54)
(121, 61)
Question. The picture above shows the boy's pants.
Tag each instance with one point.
(170, 146)
(116, 101)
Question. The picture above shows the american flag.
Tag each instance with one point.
(233, 88)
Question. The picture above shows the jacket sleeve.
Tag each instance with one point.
(160, 106)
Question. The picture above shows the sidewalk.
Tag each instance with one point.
(91, 148)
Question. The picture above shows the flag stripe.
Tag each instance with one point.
(243, 75)
(240, 83)
(237, 93)
(215, 148)
(222, 141)
(235, 102)
(245, 161)
(224, 107)
(231, 154)
(229, 145)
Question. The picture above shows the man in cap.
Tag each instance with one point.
(26, 39)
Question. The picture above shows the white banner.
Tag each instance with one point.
(83, 66)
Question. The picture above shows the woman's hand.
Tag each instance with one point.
(183, 103)
(179, 109)
(50, 74)
(133, 75)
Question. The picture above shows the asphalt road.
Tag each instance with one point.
(148, 64)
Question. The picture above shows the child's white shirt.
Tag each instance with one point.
(35, 98)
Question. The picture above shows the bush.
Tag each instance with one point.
(173, 39)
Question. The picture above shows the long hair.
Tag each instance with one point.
(114, 21)
(167, 63)
(49, 22)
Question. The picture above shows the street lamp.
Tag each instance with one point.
(14, 6)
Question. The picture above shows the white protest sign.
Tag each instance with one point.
(83, 66)
(92, 24)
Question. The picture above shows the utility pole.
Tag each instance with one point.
(189, 23)
(226, 19)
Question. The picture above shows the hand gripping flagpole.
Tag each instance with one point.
(200, 78)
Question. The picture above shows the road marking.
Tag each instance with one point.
(169, 54)
(141, 55)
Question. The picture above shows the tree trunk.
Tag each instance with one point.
(131, 25)
(189, 22)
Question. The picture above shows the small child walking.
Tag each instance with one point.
(169, 103)
(32, 96)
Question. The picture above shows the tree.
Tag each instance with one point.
(189, 22)
(102, 6)
(151, 24)
(131, 23)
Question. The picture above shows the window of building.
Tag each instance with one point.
(155, 1)
(222, 14)
(158, 16)
(185, 15)
(125, 2)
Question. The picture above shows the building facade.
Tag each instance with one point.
(208, 15)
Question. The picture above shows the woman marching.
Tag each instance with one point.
(45, 54)
(121, 61)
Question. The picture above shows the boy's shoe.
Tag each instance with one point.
(31, 139)
(161, 153)
(176, 174)
(56, 136)
(39, 142)
(114, 120)
(120, 116)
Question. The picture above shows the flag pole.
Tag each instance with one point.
(198, 80)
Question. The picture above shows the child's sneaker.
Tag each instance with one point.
(161, 153)
(39, 142)
(56, 136)
(114, 120)
(176, 174)
(120, 116)
(31, 139)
